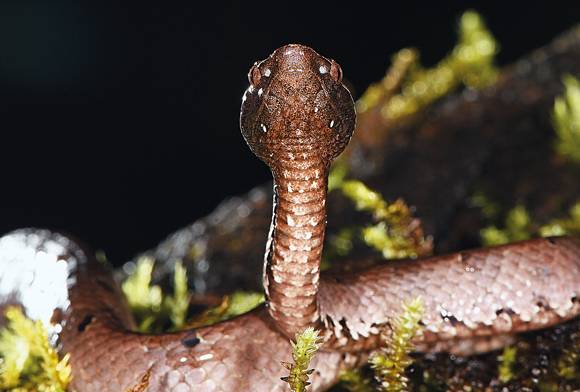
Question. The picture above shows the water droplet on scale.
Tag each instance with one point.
(264, 129)
(323, 69)
(331, 123)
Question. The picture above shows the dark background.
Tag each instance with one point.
(120, 123)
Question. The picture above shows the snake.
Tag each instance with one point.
(296, 116)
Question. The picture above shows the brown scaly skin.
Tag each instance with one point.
(297, 117)
(478, 296)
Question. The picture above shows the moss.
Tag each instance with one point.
(337, 175)
(518, 226)
(568, 225)
(232, 305)
(304, 347)
(391, 362)
(355, 381)
(396, 233)
(178, 303)
(144, 299)
(569, 362)
(566, 120)
(470, 63)
(153, 311)
(506, 364)
(27, 360)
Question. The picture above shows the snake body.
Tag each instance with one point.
(297, 117)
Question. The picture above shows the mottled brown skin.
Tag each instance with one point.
(479, 297)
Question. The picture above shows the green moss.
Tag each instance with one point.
(304, 347)
(568, 225)
(396, 233)
(488, 207)
(390, 363)
(566, 120)
(232, 305)
(506, 364)
(153, 311)
(144, 299)
(178, 303)
(27, 360)
(569, 361)
(518, 226)
(337, 175)
(470, 63)
(355, 381)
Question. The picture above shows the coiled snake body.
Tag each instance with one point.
(297, 117)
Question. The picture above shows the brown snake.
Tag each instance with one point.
(297, 117)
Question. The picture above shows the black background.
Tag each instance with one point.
(120, 123)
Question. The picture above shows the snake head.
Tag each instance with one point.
(296, 103)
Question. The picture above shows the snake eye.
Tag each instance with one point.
(335, 71)
(254, 75)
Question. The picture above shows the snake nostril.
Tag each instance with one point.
(85, 323)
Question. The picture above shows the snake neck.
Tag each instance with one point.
(292, 263)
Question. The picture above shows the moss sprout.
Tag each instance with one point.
(153, 311)
(144, 299)
(27, 360)
(178, 303)
(506, 363)
(390, 363)
(566, 120)
(304, 348)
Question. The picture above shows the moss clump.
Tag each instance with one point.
(395, 233)
(356, 381)
(27, 360)
(390, 363)
(232, 305)
(518, 226)
(469, 63)
(506, 364)
(568, 225)
(569, 362)
(566, 120)
(305, 346)
(153, 311)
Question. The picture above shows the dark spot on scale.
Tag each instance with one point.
(509, 312)
(452, 320)
(551, 240)
(85, 323)
(190, 340)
